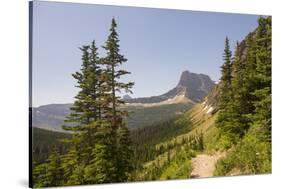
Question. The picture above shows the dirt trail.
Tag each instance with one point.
(204, 165)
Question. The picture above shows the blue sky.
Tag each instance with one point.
(158, 43)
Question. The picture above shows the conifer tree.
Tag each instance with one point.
(125, 153)
(94, 80)
(226, 77)
(225, 91)
(80, 113)
(54, 170)
(262, 117)
(78, 176)
(85, 112)
(69, 164)
(112, 61)
(49, 173)
(39, 173)
(243, 85)
(102, 168)
(238, 122)
(226, 69)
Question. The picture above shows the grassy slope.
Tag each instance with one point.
(200, 121)
(179, 166)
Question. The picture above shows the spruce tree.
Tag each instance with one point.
(225, 90)
(262, 117)
(54, 170)
(102, 167)
(49, 173)
(39, 174)
(112, 61)
(80, 113)
(94, 81)
(125, 153)
(240, 105)
(226, 70)
(69, 164)
(84, 113)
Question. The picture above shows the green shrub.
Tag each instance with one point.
(180, 167)
(250, 156)
(221, 142)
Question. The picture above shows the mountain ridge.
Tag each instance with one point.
(192, 85)
(191, 88)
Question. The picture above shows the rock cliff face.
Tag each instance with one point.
(193, 86)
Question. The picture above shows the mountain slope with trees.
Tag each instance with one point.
(245, 120)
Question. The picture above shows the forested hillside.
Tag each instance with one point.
(244, 117)
(44, 141)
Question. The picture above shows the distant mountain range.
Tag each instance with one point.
(191, 88)
(50, 116)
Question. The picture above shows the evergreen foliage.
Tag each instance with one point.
(224, 120)
(115, 115)
(100, 147)
(245, 88)
(246, 119)
(262, 112)
(49, 173)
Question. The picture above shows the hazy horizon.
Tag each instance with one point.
(159, 44)
(54, 103)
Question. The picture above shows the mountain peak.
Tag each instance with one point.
(197, 86)
(188, 77)
(193, 86)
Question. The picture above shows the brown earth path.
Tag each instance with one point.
(204, 165)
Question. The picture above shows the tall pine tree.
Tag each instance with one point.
(262, 113)
(225, 91)
(113, 59)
